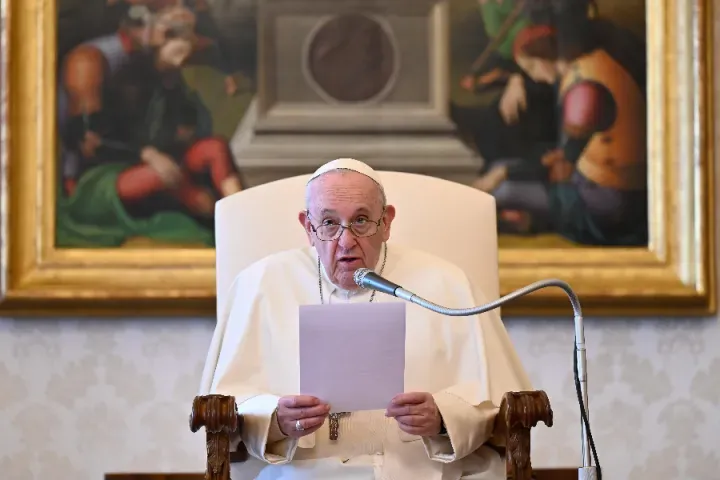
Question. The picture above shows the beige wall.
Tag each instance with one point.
(81, 398)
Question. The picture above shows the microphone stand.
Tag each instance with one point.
(367, 279)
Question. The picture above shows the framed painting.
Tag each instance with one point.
(589, 121)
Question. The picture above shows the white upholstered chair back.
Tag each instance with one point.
(447, 219)
(444, 218)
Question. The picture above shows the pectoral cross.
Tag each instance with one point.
(334, 423)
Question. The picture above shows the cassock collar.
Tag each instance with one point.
(330, 288)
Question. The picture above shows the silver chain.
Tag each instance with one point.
(372, 295)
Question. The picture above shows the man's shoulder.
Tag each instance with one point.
(279, 265)
(411, 259)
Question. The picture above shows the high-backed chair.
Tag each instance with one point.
(443, 218)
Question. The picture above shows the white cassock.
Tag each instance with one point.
(257, 362)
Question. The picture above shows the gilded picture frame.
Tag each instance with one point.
(674, 275)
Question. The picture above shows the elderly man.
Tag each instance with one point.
(440, 428)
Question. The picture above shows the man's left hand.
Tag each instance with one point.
(416, 413)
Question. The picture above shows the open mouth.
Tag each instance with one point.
(349, 260)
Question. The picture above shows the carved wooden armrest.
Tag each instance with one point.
(218, 414)
(519, 412)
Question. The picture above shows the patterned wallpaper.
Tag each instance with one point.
(82, 398)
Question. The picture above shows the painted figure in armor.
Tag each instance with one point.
(138, 158)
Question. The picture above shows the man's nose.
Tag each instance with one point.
(347, 239)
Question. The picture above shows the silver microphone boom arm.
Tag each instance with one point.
(366, 278)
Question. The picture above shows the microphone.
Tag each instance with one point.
(366, 278)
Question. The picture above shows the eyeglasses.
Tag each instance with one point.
(360, 227)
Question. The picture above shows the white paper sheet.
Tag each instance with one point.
(352, 356)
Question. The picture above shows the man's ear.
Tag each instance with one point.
(305, 222)
(387, 221)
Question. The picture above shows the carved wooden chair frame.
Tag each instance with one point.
(519, 412)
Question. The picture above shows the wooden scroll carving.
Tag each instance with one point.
(519, 412)
(218, 414)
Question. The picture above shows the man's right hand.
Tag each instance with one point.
(309, 411)
(89, 144)
(513, 100)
